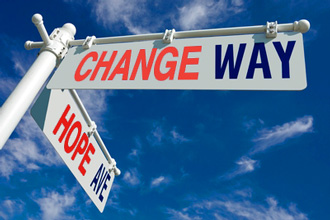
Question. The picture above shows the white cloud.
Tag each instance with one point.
(244, 165)
(267, 138)
(11, 208)
(157, 181)
(247, 192)
(138, 16)
(280, 133)
(177, 215)
(202, 13)
(239, 208)
(156, 135)
(135, 153)
(23, 153)
(54, 205)
(132, 177)
(95, 102)
(160, 181)
(19, 65)
(159, 135)
(7, 85)
(177, 138)
(248, 125)
(130, 13)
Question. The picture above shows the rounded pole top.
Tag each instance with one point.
(70, 28)
(303, 25)
(37, 19)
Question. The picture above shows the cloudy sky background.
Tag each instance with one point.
(183, 154)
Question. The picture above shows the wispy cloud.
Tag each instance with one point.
(138, 16)
(129, 13)
(160, 181)
(243, 165)
(178, 215)
(280, 133)
(267, 138)
(135, 153)
(132, 177)
(54, 205)
(249, 124)
(160, 135)
(236, 208)
(7, 85)
(11, 208)
(21, 62)
(24, 153)
(200, 13)
(115, 204)
(95, 102)
(156, 136)
(177, 138)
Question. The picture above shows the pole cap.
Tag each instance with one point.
(70, 28)
(303, 26)
(37, 19)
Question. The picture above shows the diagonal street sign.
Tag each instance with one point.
(60, 118)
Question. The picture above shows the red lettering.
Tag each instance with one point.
(126, 59)
(145, 68)
(78, 77)
(79, 149)
(67, 147)
(169, 64)
(64, 122)
(106, 64)
(86, 159)
(183, 75)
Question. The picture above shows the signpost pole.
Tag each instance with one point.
(21, 98)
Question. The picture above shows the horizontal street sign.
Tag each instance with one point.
(239, 62)
(59, 117)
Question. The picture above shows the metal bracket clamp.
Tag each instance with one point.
(271, 31)
(92, 130)
(168, 36)
(60, 39)
(113, 167)
(88, 42)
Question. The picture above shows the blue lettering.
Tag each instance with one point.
(285, 56)
(229, 58)
(259, 48)
(105, 186)
(96, 177)
(103, 175)
(101, 178)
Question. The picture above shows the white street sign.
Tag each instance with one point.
(59, 117)
(238, 62)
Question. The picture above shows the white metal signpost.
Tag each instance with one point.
(243, 62)
(254, 58)
(62, 121)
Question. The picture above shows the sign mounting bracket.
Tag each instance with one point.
(89, 41)
(271, 31)
(168, 36)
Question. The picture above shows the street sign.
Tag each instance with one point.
(61, 120)
(238, 62)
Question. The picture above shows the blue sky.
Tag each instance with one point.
(183, 154)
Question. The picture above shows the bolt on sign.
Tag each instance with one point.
(240, 62)
(59, 117)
